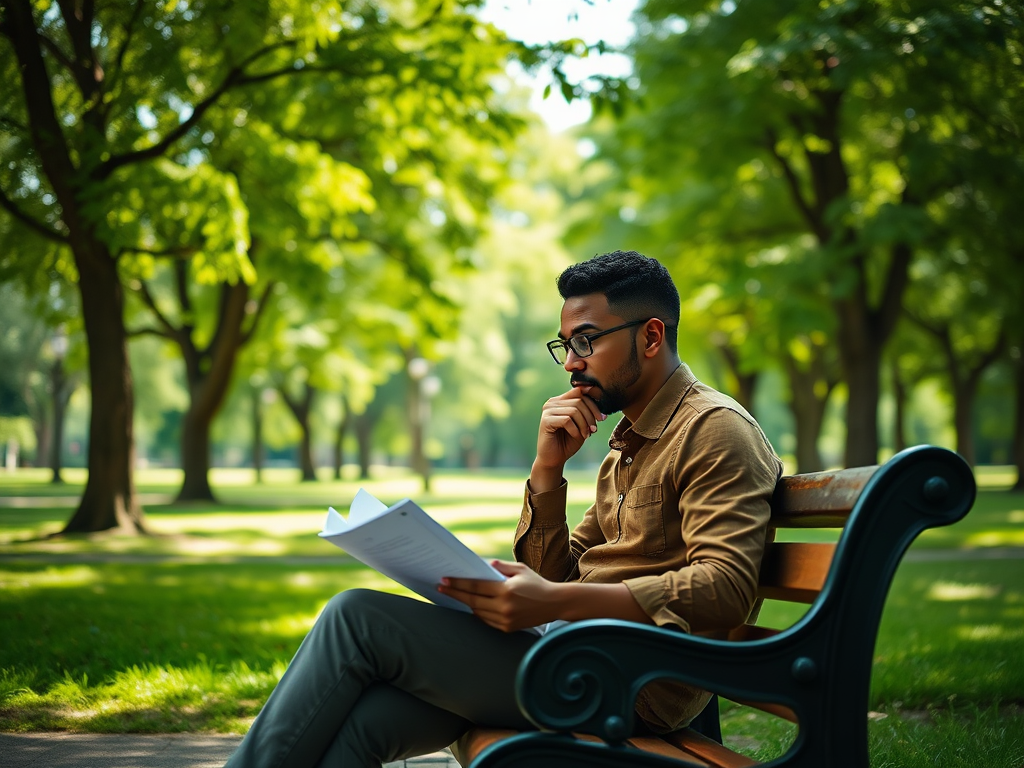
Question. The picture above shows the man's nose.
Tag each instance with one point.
(573, 362)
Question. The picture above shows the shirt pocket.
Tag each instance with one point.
(644, 523)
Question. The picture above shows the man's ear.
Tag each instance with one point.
(653, 335)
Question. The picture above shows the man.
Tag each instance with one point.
(675, 538)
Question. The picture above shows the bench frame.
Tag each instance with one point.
(584, 678)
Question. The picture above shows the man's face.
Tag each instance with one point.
(614, 366)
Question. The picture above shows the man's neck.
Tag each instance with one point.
(652, 384)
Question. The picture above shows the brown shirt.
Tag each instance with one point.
(680, 517)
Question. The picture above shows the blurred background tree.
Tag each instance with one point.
(328, 235)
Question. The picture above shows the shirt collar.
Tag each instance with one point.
(659, 411)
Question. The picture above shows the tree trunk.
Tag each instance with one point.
(863, 332)
(746, 382)
(364, 424)
(62, 391)
(1018, 420)
(208, 372)
(963, 418)
(301, 410)
(306, 453)
(860, 354)
(257, 433)
(339, 438)
(863, 326)
(807, 402)
(862, 369)
(195, 457)
(109, 500)
(899, 393)
(964, 379)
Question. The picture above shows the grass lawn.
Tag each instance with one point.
(192, 631)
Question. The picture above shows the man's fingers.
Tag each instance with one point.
(508, 568)
(582, 424)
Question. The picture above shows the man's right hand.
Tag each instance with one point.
(566, 421)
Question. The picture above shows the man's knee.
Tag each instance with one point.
(353, 604)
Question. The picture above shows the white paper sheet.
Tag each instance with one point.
(405, 544)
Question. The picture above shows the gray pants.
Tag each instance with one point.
(382, 678)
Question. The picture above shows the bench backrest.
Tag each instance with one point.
(795, 572)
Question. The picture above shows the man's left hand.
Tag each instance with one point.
(525, 599)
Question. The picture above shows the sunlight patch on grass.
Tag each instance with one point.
(303, 579)
(277, 523)
(996, 476)
(988, 632)
(996, 539)
(949, 591)
(496, 542)
(72, 577)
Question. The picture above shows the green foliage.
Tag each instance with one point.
(789, 161)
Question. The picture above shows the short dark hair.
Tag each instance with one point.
(637, 287)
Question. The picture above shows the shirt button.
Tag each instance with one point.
(629, 460)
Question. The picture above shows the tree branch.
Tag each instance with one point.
(118, 69)
(794, 186)
(293, 70)
(47, 134)
(179, 252)
(898, 274)
(78, 17)
(260, 309)
(181, 280)
(13, 124)
(35, 225)
(136, 332)
(58, 54)
(233, 78)
(918, 320)
(170, 331)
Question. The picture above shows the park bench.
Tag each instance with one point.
(579, 684)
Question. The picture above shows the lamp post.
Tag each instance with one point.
(60, 395)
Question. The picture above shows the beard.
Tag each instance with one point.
(614, 396)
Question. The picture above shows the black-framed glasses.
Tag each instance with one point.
(581, 342)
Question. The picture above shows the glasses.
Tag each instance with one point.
(581, 343)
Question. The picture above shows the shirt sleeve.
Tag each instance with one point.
(542, 536)
(727, 473)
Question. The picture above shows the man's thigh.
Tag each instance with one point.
(447, 658)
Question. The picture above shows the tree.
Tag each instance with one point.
(845, 107)
(87, 113)
(107, 105)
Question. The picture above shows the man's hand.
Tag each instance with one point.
(523, 600)
(526, 599)
(566, 421)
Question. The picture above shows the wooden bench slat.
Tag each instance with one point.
(702, 748)
(818, 499)
(476, 740)
(661, 747)
(794, 571)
